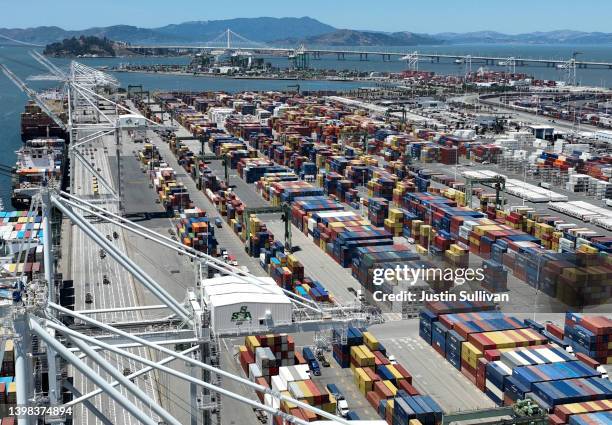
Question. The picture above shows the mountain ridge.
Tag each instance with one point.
(346, 37)
(268, 29)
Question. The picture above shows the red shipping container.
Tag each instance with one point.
(587, 360)
(297, 412)
(599, 325)
(381, 357)
(403, 384)
(371, 374)
(492, 355)
(308, 415)
(555, 330)
(468, 371)
(261, 381)
(555, 420)
(481, 374)
(373, 399)
(402, 371)
(382, 390)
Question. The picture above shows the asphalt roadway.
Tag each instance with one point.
(515, 200)
(85, 266)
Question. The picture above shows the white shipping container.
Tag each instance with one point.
(495, 390)
(533, 357)
(295, 390)
(264, 357)
(550, 355)
(277, 383)
(254, 372)
(512, 359)
(268, 400)
(285, 374)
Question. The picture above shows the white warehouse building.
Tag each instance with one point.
(240, 306)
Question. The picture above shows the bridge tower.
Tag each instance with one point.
(300, 58)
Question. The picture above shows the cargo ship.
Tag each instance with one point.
(37, 160)
(35, 123)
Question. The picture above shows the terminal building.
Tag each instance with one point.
(236, 306)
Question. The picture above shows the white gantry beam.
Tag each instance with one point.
(197, 363)
(177, 246)
(83, 398)
(124, 260)
(185, 376)
(124, 381)
(82, 367)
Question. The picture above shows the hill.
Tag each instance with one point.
(294, 30)
(82, 46)
(263, 29)
(362, 38)
(548, 37)
(256, 29)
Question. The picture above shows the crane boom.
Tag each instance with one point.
(38, 57)
(33, 96)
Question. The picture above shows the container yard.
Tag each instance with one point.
(334, 222)
(427, 249)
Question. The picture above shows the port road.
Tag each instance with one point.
(87, 270)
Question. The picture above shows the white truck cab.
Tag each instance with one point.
(342, 408)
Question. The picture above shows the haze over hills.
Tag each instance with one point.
(296, 30)
(364, 38)
(549, 37)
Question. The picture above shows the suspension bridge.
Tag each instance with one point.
(231, 42)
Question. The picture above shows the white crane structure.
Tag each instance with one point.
(569, 69)
(412, 59)
(77, 341)
(510, 64)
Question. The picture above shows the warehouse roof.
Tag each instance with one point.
(228, 290)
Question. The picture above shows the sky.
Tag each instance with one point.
(429, 16)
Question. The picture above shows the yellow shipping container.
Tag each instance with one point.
(370, 341)
(356, 352)
(308, 395)
(390, 405)
(396, 214)
(362, 355)
(420, 249)
(252, 343)
(368, 355)
(331, 406)
(456, 249)
(391, 387)
(286, 404)
(398, 376)
(470, 354)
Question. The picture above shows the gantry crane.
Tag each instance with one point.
(42, 315)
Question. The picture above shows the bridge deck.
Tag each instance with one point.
(288, 51)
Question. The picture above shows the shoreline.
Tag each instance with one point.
(242, 77)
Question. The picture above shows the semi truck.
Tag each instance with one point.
(311, 359)
(342, 408)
